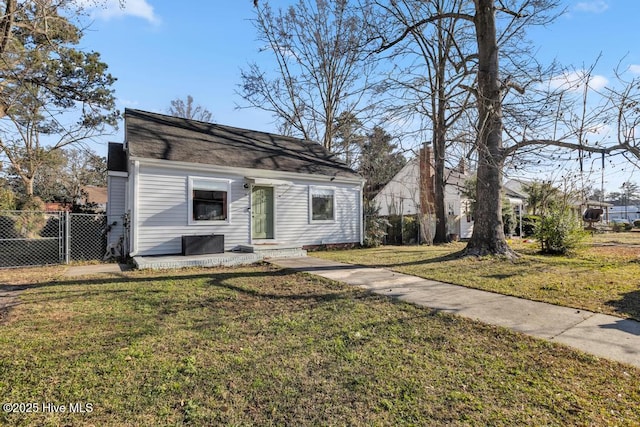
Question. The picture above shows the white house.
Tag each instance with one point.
(628, 212)
(174, 177)
(402, 194)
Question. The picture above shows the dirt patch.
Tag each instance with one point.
(9, 298)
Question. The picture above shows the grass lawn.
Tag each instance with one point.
(603, 277)
(262, 346)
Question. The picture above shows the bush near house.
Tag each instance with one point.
(636, 223)
(620, 225)
(559, 232)
(529, 223)
(403, 230)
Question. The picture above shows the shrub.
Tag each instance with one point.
(619, 226)
(375, 230)
(509, 220)
(529, 223)
(559, 232)
(7, 200)
(636, 223)
(31, 220)
(375, 227)
(410, 230)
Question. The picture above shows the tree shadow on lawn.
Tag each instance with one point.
(123, 285)
(443, 258)
(628, 305)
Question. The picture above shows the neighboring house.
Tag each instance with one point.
(516, 189)
(175, 177)
(94, 196)
(629, 212)
(402, 195)
(57, 207)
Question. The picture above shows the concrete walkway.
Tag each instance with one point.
(83, 270)
(599, 334)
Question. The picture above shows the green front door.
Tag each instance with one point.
(262, 212)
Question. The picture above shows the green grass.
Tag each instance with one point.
(262, 346)
(602, 277)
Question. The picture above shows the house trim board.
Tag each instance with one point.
(133, 221)
(247, 172)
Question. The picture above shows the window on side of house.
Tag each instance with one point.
(208, 200)
(322, 204)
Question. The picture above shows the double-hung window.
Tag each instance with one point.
(322, 204)
(208, 200)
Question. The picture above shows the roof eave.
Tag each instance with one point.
(201, 167)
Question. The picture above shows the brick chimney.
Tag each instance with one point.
(462, 166)
(427, 195)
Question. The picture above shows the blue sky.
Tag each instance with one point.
(161, 50)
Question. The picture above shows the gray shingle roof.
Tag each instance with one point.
(157, 136)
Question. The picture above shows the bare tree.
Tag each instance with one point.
(492, 90)
(187, 110)
(494, 23)
(322, 67)
(434, 85)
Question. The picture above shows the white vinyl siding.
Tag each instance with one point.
(401, 195)
(163, 212)
(117, 190)
(294, 212)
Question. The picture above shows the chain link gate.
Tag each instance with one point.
(30, 238)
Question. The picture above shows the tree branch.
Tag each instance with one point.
(623, 146)
(411, 28)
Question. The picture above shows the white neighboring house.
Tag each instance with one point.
(629, 212)
(402, 195)
(175, 177)
(515, 189)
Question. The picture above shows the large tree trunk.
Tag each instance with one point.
(439, 144)
(439, 181)
(488, 232)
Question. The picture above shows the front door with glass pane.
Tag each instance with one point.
(262, 212)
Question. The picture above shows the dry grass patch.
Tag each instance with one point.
(262, 346)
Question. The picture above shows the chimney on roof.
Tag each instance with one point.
(427, 196)
(462, 166)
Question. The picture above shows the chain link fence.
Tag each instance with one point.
(30, 238)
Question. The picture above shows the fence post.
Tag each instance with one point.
(61, 228)
(67, 236)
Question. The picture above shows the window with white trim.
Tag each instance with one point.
(208, 200)
(322, 204)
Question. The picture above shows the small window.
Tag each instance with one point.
(322, 204)
(208, 199)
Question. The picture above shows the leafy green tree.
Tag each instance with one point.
(541, 196)
(348, 139)
(7, 199)
(53, 94)
(380, 161)
(375, 226)
(64, 174)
